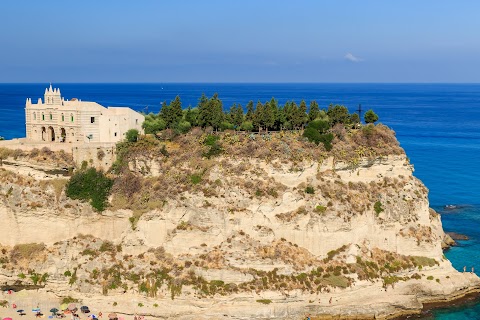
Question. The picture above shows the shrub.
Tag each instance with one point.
(91, 185)
(100, 154)
(247, 126)
(26, 251)
(132, 135)
(320, 209)
(320, 125)
(195, 178)
(378, 207)
(184, 126)
(210, 140)
(264, 301)
(69, 300)
(430, 278)
(107, 246)
(215, 150)
(309, 190)
(225, 125)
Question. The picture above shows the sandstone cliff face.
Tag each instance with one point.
(345, 198)
(250, 230)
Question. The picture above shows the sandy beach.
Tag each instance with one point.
(30, 300)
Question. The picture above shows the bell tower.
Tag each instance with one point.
(52, 96)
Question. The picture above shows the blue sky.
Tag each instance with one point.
(239, 41)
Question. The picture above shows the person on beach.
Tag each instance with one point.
(330, 301)
(464, 268)
(473, 269)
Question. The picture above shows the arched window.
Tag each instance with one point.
(34, 116)
(43, 117)
(51, 117)
(63, 117)
(71, 117)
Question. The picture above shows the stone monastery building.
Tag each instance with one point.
(59, 120)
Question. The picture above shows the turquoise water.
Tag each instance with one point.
(438, 125)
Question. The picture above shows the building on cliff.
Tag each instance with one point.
(76, 121)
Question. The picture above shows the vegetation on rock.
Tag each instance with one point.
(91, 185)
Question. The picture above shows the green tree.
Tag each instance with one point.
(210, 112)
(184, 126)
(250, 111)
(132, 135)
(338, 114)
(370, 116)
(303, 117)
(153, 124)
(258, 116)
(314, 110)
(176, 109)
(247, 126)
(238, 117)
(166, 114)
(269, 112)
(354, 119)
(191, 116)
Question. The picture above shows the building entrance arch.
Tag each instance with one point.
(44, 134)
(51, 134)
(63, 135)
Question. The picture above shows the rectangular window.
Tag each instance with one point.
(136, 121)
(43, 117)
(92, 119)
(71, 118)
(115, 134)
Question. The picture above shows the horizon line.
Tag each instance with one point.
(233, 82)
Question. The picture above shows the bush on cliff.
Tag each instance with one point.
(91, 185)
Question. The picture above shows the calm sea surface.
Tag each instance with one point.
(438, 125)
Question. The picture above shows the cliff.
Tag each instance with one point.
(274, 227)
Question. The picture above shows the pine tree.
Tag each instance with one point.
(314, 110)
(258, 116)
(238, 117)
(250, 111)
(203, 111)
(176, 110)
(302, 116)
(370, 116)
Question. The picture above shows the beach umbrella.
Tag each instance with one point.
(64, 306)
(72, 306)
(21, 310)
(7, 319)
(54, 310)
(112, 315)
(83, 308)
(36, 310)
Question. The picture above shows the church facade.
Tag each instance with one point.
(58, 120)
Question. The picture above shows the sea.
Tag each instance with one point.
(438, 125)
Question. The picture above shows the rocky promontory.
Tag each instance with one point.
(230, 225)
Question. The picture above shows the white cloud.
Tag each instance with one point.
(352, 58)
